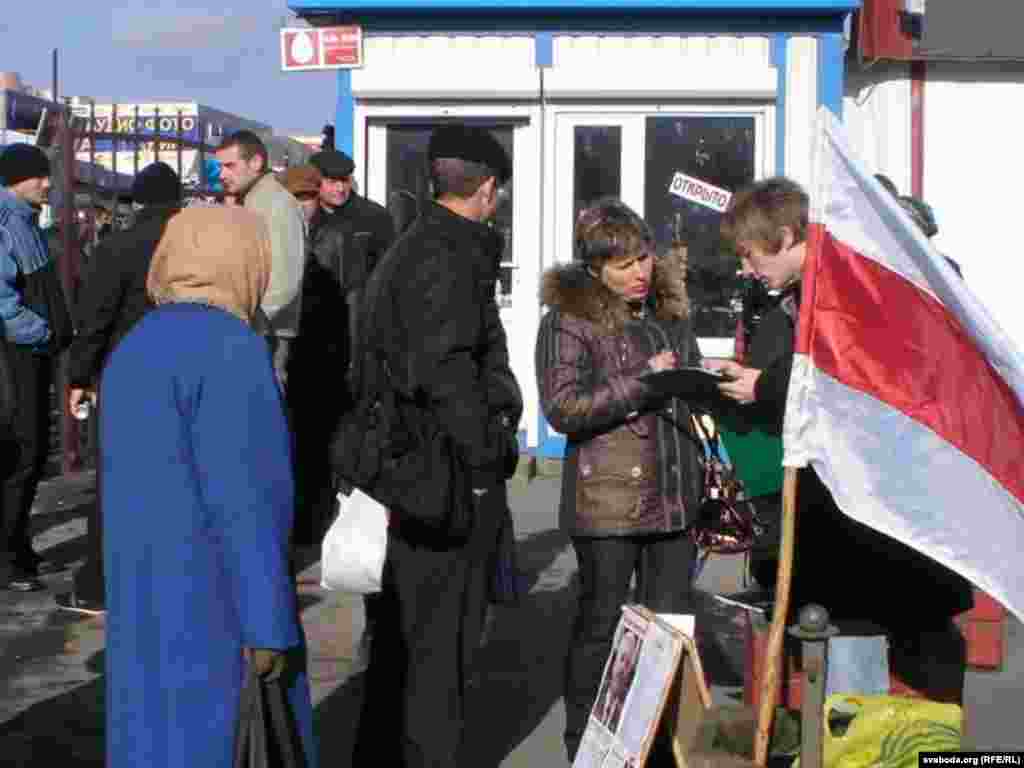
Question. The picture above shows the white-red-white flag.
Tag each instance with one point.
(906, 397)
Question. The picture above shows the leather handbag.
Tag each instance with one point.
(408, 464)
(726, 521)
(264, 736)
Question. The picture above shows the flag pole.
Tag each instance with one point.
(771, 667)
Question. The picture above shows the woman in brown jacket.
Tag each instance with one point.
(632, 475)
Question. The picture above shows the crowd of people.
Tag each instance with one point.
(230, 351)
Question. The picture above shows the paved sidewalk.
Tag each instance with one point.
(51, 661)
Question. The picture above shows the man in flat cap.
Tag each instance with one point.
(348, 235)
(430, 322)
(111, 300)
(344, 218)
(37, 324)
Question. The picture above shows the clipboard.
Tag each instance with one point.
(690, 383)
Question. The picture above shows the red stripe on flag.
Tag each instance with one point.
(876, 332)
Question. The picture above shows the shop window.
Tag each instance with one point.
(597, 164)
(408, 188)
(718, 151)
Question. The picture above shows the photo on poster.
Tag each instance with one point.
(618, 677)
(653, 674)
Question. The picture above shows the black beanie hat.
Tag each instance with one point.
(156, 184)
(23, 161)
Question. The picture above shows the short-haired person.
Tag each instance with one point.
(857, 573)
(111, 300)
(632, 474)
(245, 172)
(37, 326)
(430, 313)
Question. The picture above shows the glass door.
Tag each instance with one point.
(407, 188)
(677, 171)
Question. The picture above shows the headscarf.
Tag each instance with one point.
(215, 255)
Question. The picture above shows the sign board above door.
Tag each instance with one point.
(306, 48)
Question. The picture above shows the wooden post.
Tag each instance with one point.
(772, 667)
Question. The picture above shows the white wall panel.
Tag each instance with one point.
(876, 112)
(660, 66)
(447, 66)
(801, 105)
(973, 166)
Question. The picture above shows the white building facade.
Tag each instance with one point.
(592, 99)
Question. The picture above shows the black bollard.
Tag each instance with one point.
(814, 632)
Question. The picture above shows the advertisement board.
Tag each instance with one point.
(307, 48)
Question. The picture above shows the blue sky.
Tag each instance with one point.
(224, 55)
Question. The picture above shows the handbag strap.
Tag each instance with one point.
(285, 736)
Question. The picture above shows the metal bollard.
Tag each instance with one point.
(813, 631)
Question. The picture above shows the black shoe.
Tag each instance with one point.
(69, 601)
(20, 580)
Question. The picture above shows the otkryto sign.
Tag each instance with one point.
(697, 191)
(304, 48)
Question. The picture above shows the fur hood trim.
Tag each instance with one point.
(570, 289)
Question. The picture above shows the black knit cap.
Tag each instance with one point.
(472, 144)
(156, 184)
(333, 164)
(23, 161)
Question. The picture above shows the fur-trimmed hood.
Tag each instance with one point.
(574, 291)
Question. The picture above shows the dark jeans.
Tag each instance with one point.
(662, 565)
(89, 583)
(428, 617)
(25, 455)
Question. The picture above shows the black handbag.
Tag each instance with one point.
(726, 522)
(264, 737)
(408, 464)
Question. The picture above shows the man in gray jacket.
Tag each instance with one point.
(245, 172)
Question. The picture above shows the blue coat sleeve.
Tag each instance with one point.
(242, 451)
(22, 325)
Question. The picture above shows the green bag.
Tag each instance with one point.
(757, 457)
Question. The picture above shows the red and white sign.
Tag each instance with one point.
(305, 48)
(697, 191)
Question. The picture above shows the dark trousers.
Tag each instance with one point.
(89, 582)
(26, 453)
(429, 618)
(662, 565)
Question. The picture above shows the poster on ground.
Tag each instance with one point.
(641, 670)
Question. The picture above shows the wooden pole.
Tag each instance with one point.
(772, 664)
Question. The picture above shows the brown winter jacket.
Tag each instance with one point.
(631, 464)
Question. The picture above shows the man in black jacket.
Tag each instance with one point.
(430, 311)
(111, 300)
(37, 327)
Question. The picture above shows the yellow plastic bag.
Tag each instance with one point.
(888, 731)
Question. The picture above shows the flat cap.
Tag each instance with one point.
(301, 179)
(472, 144)
(333, 164)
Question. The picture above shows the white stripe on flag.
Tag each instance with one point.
(889, 472)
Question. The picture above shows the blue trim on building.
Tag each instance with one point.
(584, 22)
(778, 56)
(549, 445)
(831, 72)
(345, 118)
(543, 49)
(428, 6)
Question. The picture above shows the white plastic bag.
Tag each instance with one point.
(352, 556)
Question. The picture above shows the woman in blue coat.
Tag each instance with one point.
(197, 505)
